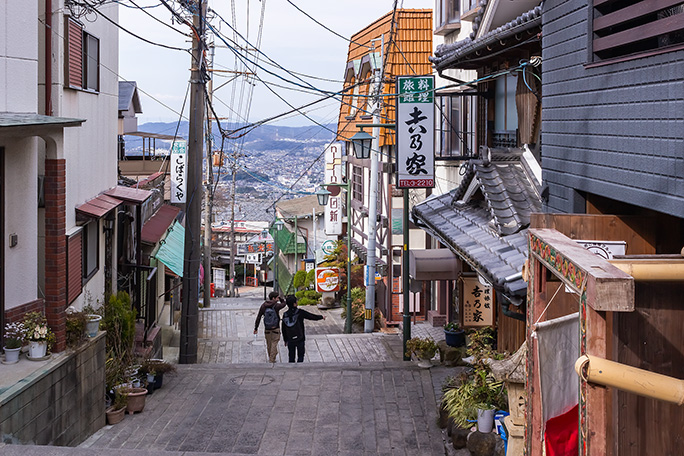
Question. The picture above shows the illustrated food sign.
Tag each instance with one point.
(478, 303)
(415, 132)
(179, 171)
(333, 175)
(327, 280)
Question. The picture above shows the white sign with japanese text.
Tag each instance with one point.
(415, 132)
(333, 163)
(179, 171)
(478, 303)
(333, 216)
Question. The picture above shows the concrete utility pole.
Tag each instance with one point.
(207, 190)
(189, 310)
(369, 321)
(232, 226)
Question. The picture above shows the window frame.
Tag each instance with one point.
(357, 183)
(80, 58)
(88, 39)
(90, 250)
(447, 16)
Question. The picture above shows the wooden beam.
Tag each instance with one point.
(653, 270)
(610, 288)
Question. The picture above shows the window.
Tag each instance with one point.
(505, 112)
(447, 16)
(90, 249)
(630, 28)
(357, 183)
(83, 58)
(452, 130)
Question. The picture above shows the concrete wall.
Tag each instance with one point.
(614, 130)
(61, 403)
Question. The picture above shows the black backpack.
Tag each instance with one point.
(271, 318)
(294, 330)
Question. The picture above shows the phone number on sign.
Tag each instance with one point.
(404, 183)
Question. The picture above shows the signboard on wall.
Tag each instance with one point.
(333, 175)
(327, 280)
(477, 303)
(219, 278)
(333, 216)
(179, 171)
(415, 132)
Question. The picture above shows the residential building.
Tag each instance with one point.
(483, 220)
(394, 45)
(613, 167)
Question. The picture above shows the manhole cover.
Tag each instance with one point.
(252, 380)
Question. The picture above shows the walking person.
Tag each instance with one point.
(270, 310)
(293, 328)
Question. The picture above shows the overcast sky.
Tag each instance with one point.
(289, 38)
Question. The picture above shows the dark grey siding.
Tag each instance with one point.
(616, 130)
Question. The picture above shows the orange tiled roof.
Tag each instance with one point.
(406, 54)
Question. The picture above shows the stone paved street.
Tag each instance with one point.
(353, 395)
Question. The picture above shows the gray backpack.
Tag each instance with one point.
(271, 318)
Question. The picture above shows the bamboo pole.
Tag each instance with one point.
(627, 378)
(651, 270)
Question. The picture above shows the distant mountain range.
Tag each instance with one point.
(263, 138)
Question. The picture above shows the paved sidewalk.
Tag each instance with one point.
(289, 409)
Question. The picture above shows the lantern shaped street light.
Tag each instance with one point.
(279, 225)
(323, 195)
(362, 143)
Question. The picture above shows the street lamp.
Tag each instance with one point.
(362, 143)
(279, 224)
(264, 235)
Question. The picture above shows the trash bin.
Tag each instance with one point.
(213, 289)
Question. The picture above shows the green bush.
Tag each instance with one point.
(358, 296)
(310, 278)
(299, 280)
(308, 297)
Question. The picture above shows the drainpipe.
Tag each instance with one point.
(631, 379)
(505, 309)
(48, 57)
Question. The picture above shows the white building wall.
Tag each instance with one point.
(18, 94)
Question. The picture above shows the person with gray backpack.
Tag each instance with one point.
(293, 328)
(270, 311)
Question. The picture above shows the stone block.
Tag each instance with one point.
(459, 437)
(481, 444)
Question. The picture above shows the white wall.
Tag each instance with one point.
(18, 56)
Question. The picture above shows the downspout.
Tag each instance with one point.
(48, 57)
(506, 301)
(458, 81)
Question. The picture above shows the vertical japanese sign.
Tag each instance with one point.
(478, 303)
(179, 171)
(333, 175)
(415, 132)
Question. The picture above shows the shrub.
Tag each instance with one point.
(358, 296)
(75, 328)
(308, 297)
(299, 280)
(119, 322)
(423, 347)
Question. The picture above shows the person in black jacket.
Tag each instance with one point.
(293, 328)
(271, 329)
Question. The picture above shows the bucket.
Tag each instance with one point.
(485, 420)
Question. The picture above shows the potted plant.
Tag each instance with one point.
(155, 370)
(38, 335)
(75, 327)
(92, 318)
(454, 336)
(424, 348)
(14, 339)
(116, 412)
(135, 399)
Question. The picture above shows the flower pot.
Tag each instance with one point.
(485, 420)
(11, 355)
(136, 400)
(115, 416)
(158, 380)
(92, 324)
(454, 338)
(37, 349)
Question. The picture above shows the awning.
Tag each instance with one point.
(433, 264)
(153, 230)
(129, 194)
(98, 207)
(34, 124)
(171, 250)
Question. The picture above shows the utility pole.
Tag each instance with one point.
(232, 226)
(190, 311)
(208, 200)
(369, 321)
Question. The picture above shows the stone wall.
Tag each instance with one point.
(61, 403)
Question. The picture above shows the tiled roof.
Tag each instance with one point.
(488, 232)
(447, 54)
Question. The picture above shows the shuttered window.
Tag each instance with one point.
(82, 58)
(357, 183)
(74, 48)
(74, 263)
(631, 28)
